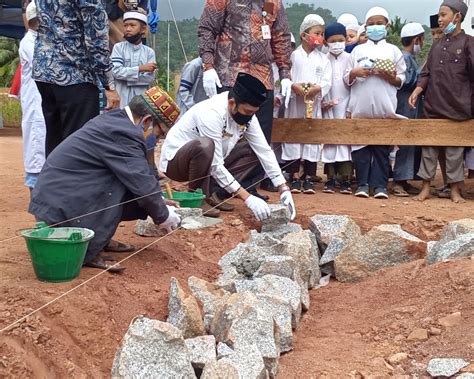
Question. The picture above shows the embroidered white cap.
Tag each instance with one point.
(30, 11)
(354, 27)
(347, 19)
(361, 30)
(310, 21)
(412, 29)
(377, 11)
(135, 15)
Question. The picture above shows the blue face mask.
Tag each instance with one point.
(376, 32)
(450, 28)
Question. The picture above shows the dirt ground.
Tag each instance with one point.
(350, 330)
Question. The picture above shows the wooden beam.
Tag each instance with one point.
(374, 132)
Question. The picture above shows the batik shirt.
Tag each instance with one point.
(72, 46)
(231, 39)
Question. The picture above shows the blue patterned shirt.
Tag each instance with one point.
(73, 43)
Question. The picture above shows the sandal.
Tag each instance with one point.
(118, 247)
(399, 191)
(411, 189)
(99, 262)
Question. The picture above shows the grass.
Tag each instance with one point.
(10, 110)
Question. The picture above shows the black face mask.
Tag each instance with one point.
(135, 39)
(241, 119)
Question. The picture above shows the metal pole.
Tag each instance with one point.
(168, 63)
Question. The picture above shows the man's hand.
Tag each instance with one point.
(298, 89)
(210, 81)
(286, 199)
(172, 222)
(260, 208)
(276, 102)
(413, 99)
(147, 67)
(113, 99)
(286, 86)
(360, 72)
(314, 89)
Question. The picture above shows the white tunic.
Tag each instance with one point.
(32, 123)
(339, 93)
(373, 97)
(312, 68)
(126, 58)
(210, 118)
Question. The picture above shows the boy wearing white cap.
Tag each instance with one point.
(351, 24)
(375, 72)
(32, 124)
(134, 63)
(311, 74)
(407, 158)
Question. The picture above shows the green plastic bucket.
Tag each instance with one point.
(57, 254)
(187, 199)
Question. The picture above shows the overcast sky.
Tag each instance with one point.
(411, 10)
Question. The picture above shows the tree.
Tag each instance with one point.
(9, 60)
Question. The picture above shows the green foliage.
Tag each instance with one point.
(8, 60)
(10, 110)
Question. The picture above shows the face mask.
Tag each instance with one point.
(241, 119)
(336, 48)
(376, 32)
(451, 27)
(135, 39)
(416, 49)
(349, 48)
(315, 41)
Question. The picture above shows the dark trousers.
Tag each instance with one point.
(309, 168)
(66, 109)
(372, 166)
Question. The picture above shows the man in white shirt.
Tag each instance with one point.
(204, 144)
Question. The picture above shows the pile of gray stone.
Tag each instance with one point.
(238, 326)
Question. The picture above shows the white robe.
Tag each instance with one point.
(126, 58)
(341, 93)
(32, 123)
(373, 97)
(313, 68)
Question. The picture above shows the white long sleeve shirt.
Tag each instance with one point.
(211, 118)
(126, 58)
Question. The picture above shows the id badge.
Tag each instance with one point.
(266, 32)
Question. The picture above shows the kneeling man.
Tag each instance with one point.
(221, 138)
(100, 166)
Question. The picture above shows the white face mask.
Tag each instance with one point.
(336, 48)
(416, 49)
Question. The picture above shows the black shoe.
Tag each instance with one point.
(308, 188)
(268, 186)
(330, 186)
(263, 197)
(295, 186)
(346, 188)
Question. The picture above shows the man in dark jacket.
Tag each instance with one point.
(100, 166)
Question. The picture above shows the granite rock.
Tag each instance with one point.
(276, 286)
(456, 229)
(199, 222)
(152, 348)
(202, 350)
(445, 366)
(333, 234)
(188, 212)
(462, 246)
(209, 295)
(383, 246)
(220, 370)
(280, 216)
(248, 361)
(184, 312)
(223, 350)
(242, 322)
(147, 228)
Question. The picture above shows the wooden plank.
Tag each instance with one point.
(375, 132)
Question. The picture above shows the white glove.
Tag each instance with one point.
(260, 208)
(173, 220)
(286, 199)
(286, 90)
(210, 80)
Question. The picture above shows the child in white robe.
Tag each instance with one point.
(337, 158)
(374, 95)
(311, 74)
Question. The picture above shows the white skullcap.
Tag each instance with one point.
(377, 11)
(310, 21)
(412, 29)
(135, 15)
(31, 11)
(347, 19)
(354, 27)
(361, 30)
(292, 38)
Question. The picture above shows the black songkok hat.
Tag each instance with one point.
(249, 90)
(434, 21)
